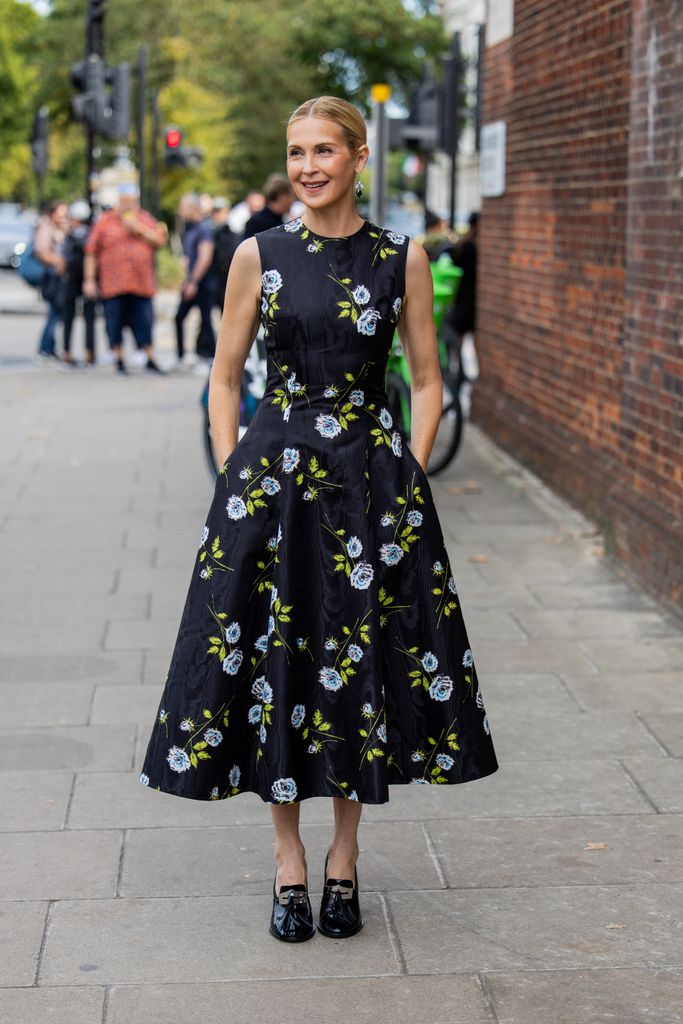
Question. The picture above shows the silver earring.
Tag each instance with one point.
(359, 188)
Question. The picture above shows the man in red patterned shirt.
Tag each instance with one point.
(119, 269)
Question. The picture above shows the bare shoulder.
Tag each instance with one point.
(245, 269)
(247, 256)
(417, 259)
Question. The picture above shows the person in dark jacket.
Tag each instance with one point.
(225, 242)
(462, 315)
(279, 198)
(74, 256)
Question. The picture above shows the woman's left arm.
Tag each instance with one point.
(417, 335)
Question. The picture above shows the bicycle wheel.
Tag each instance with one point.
(449, 434)
(398, 394)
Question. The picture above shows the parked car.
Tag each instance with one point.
(16, 231)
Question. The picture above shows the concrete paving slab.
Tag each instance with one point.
(607, 623)
(435, 1000)
(135, 941)
(668, 728)
(507, 692)
(110, 667)
(532, 788)
(136, 705)
(239, 859)
(627, 995)
(612, 594)
(661, 781)
(21, 933)
(490, 852)
(59, 865)
(647, 655)
(496, 656)
(626, 691)
(45, 704)
(68, 748)
(34, 800)
(564, 926)
(527, 734)
(128, 634)
(66, 1005)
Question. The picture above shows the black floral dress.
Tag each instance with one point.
(321, 649)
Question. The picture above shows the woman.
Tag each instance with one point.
(322, 650)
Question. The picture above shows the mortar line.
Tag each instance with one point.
(67, 810)
(393, 934)
(105, 1004)
(488, 996)
(565, 686)
(639, 788)
(648, 730)
(122, 852)
(43, 941)
(433, 853)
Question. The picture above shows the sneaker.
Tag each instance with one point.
(152, 367)
(121, 367)
(189, 359)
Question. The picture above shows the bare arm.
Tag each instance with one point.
(238, 329)
(417, 334)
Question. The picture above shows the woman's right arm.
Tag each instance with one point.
(239, 327)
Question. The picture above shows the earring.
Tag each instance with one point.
(359, 188)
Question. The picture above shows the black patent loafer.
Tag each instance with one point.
(292, 917)
(340, 914)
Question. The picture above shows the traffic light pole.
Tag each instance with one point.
(141, 110)
(452, 84)
(380, 94)
(94, 44)
(156, 142)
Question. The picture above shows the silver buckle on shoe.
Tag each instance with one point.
(345, 890)
(295, 895)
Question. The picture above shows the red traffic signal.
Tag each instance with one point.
(174, 138)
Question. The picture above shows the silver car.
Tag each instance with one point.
(16, 231)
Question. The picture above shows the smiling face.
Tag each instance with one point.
(320, 165)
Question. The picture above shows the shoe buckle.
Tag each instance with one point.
(345, 891)
(295, 895)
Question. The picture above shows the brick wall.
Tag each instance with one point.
(579, 306)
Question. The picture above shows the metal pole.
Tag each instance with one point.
(155, 198)
(94, 43)
(380, 94)
(453, 84)
(140, 129)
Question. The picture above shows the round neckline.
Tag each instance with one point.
(336, 238)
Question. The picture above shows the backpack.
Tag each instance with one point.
(30, 267)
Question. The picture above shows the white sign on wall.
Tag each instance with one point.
(492, 145)
(498, 21)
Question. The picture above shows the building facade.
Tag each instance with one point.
(580, 327)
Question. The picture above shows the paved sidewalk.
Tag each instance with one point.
(549, 893)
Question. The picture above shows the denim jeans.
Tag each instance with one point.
(46, 345)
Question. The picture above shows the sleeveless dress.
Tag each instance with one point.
(321, 649)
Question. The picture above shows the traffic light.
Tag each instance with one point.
(90, 106)
(119, 123)
(176, 154)
(173, 156)
(103, 110)
(39, 133)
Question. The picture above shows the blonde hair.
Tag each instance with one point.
(347, 118)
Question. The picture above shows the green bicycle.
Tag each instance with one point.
(446, 278)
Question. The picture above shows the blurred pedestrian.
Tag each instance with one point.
(462, 316)
(73, 250)
(199, 286)
(437, 237)
(225, 243)
(119, 267)
(47, 246)
(240, 214)
(279, 198)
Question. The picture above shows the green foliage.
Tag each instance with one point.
(229, 73)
